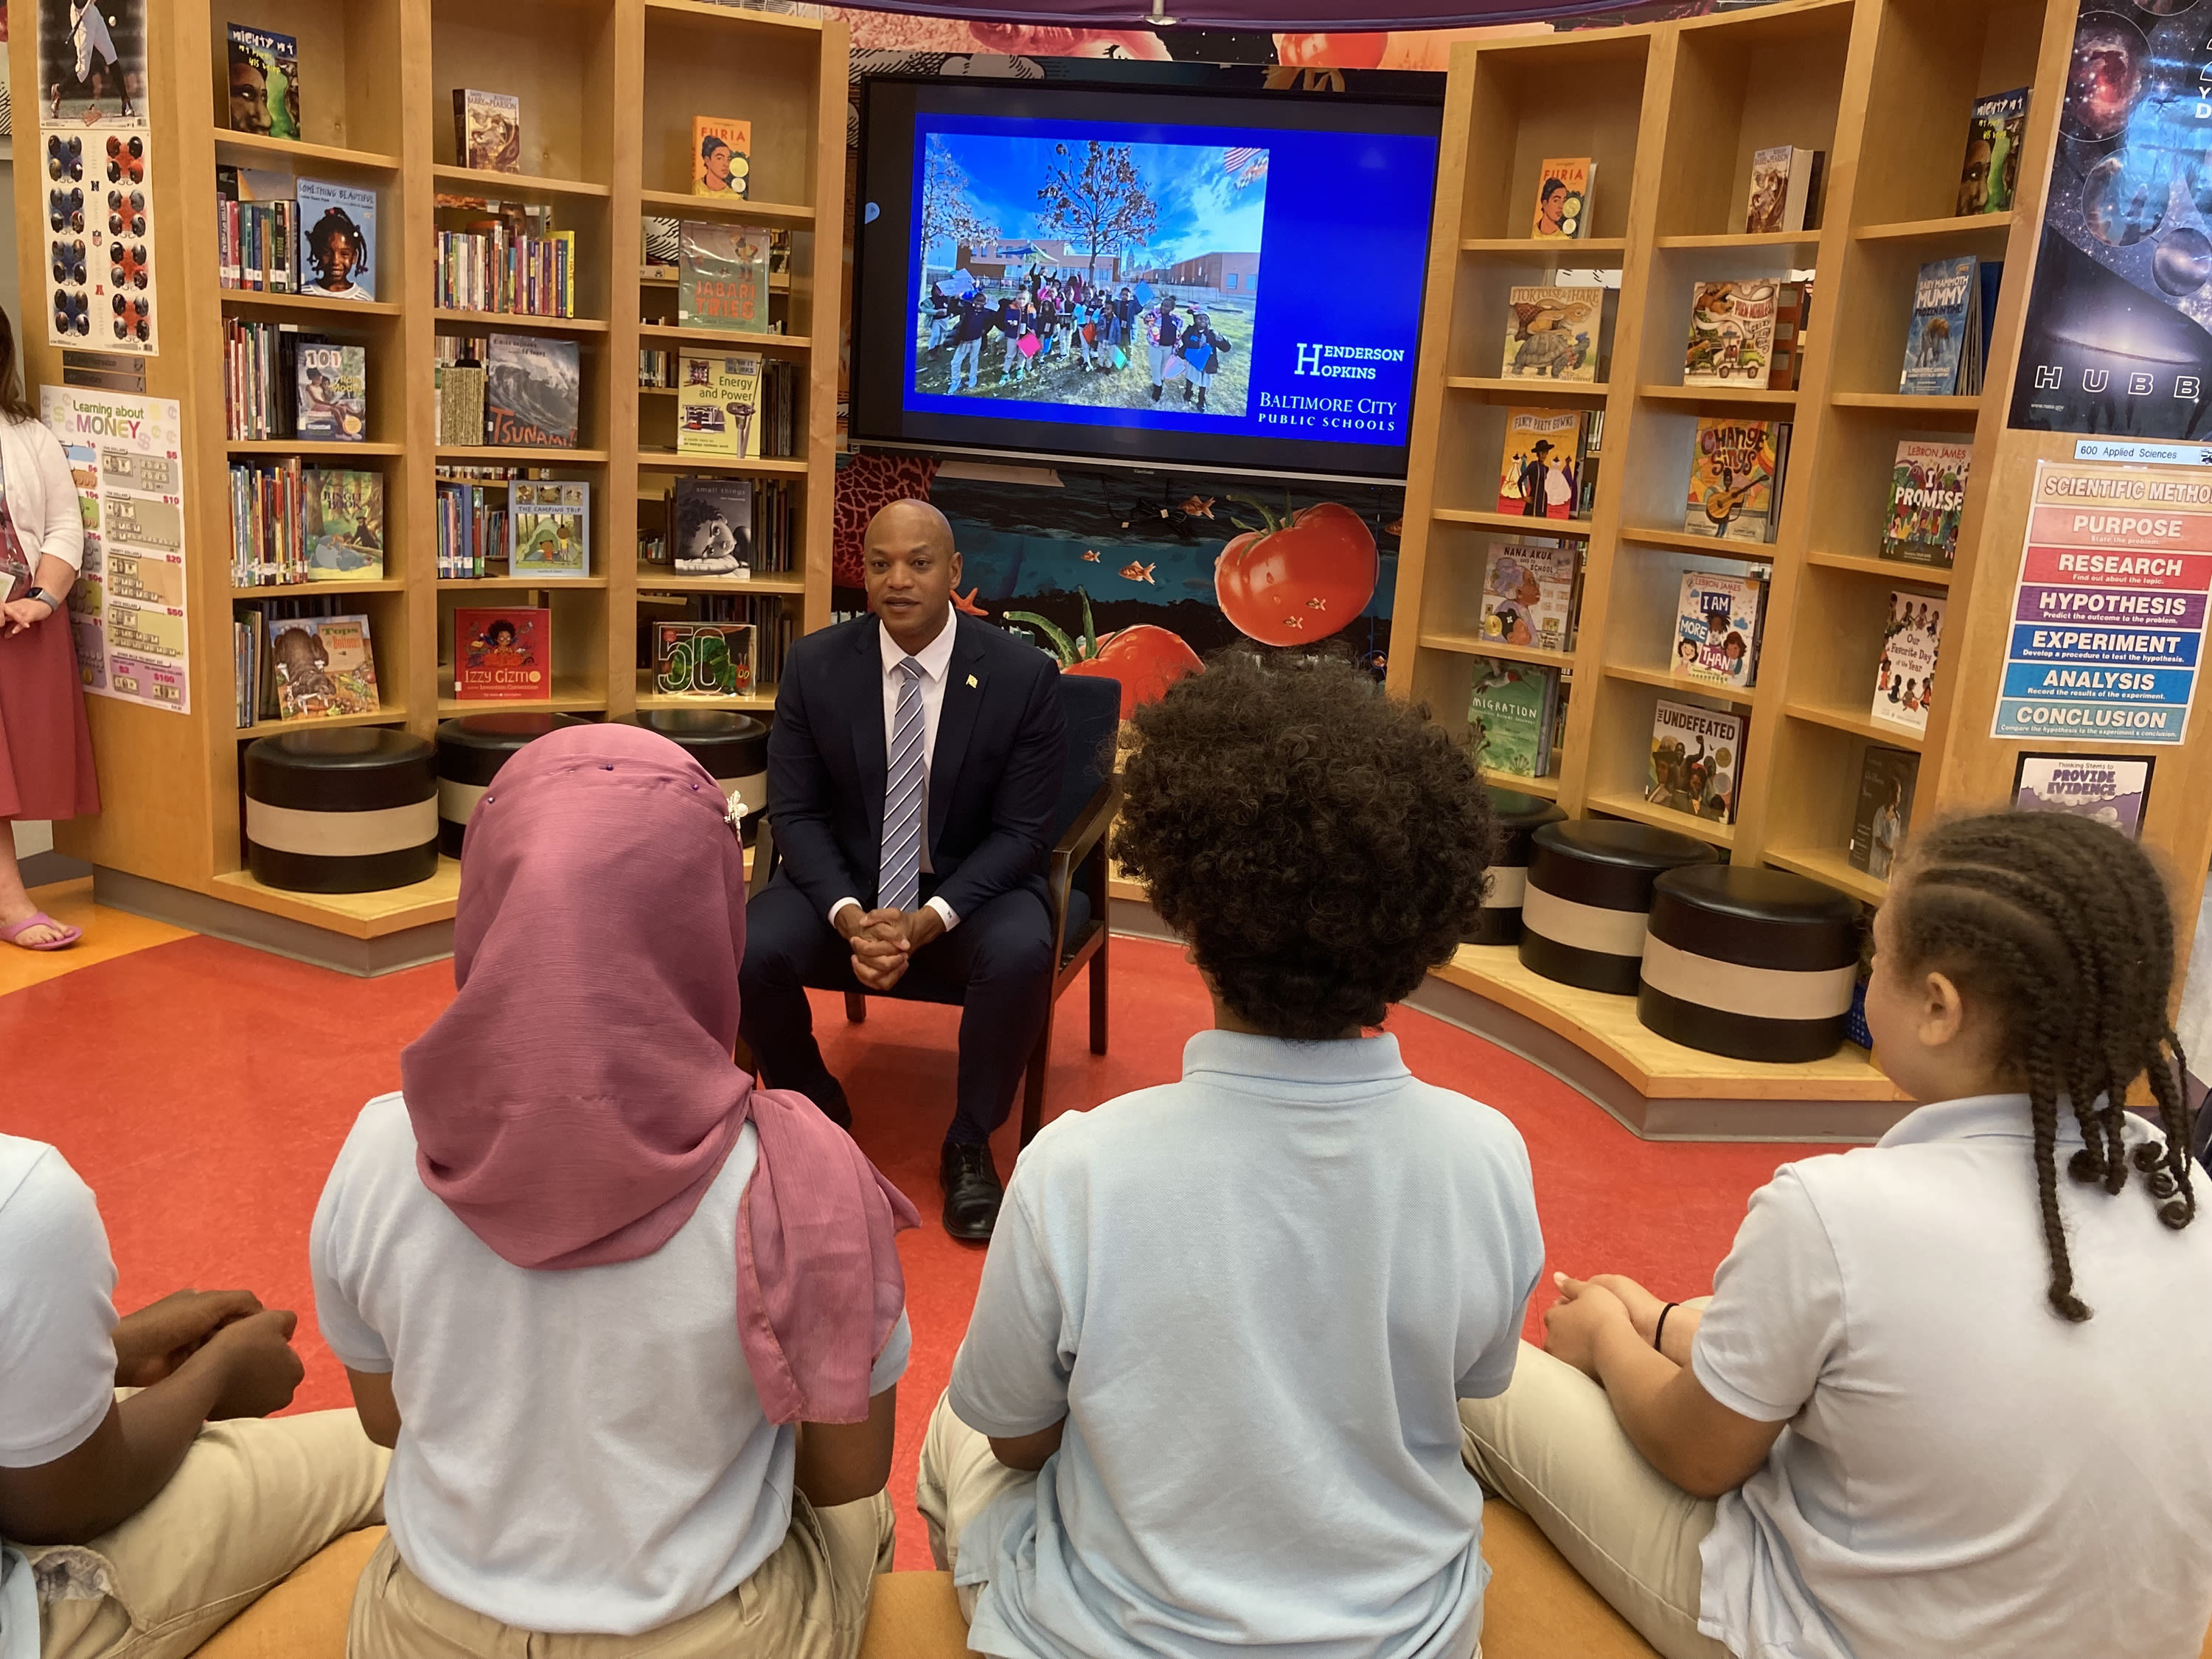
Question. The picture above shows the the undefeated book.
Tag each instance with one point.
(1697, 760)
(1945, 325)
(503, 653)
(712, 522)
(1989, 176)
(1717, 620)
(330, 387)
(344, 527)
(1563, 190)
(721, 276)
(1527, 593)
(1887, 777)
(702, 659)
(1731, 333)
(549, 528)
(2113, 790)
(1510, 716)
(487, 130)
(531, 391)
(264, 81)
(1785, 190)
(1927, 492)
(1904, 675)
(1540, 473)
(1553, 332)
(338, 239)
(718, 408)
(322, 666)
(1735, 468)
(721, 156)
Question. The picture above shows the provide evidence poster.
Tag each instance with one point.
(2108, 614)
(128, 605)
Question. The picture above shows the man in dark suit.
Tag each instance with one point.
(914, 769)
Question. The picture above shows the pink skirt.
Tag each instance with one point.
(45, 746)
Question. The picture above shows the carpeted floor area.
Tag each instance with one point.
(202, 1089)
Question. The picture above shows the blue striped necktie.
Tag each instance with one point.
(900, 884)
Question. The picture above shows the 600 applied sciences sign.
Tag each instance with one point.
(2108, 615)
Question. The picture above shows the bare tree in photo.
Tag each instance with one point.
(1100, 202)
(947, 215)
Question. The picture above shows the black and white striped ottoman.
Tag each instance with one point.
(471, 751)
(732, 747)
(1590, 889)
(1758, 965)
(353, 810)
(1519, 818)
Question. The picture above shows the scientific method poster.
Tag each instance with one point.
(128, 605)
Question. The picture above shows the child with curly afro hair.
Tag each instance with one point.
(1208, 1400)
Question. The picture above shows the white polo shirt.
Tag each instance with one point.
(1965, 1472)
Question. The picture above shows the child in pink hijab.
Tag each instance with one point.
(643, 1323)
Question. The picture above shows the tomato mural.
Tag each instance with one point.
(1297, 579)
(1145, 659)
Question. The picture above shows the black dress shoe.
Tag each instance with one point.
(831, 1102)
(972, 1190)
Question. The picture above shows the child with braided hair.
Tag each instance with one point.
(1939, 1399)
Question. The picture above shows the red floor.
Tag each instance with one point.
(204, 1089)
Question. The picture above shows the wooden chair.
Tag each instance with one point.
(1075, 884)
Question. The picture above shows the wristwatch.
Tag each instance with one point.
(45, 598)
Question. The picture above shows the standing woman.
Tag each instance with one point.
(45, 746)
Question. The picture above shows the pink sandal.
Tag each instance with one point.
(13, 933)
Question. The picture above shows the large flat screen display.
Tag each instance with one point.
(1189, 279)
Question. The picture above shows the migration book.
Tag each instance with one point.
(264, 81)
(1540, 474)
(1735, 471)
(1563, 190)
(331, 385)
(1697, 760)
(533, 389)
(487, 130)
(1995, 131)
(1527, 592)
(503, 653)
(549, 528)
(713, 526)
(702, 659)
(2113, 791)
(1946, 322)
(1731, 333)
(721, 156)
(1785, 190)
(1887, 777)
(717, 405)
(721, 276)
(1552, 331)
(338, 239)
(322, 666)
(1927, 493)
(1510, 715)
(1717, 627)
(1904, 675)
(344, 527)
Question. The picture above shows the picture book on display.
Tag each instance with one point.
(338, 239)
(721, 276)
(264, 81)
(1717, 620)
(1527, 593)
(1905, 676)
(1731, 333)
(345, 530)
(503, 654)
(1943, 341)
(1540, 474)
(1887, 777)
(533, 389)
(1563, 190)
(1927, 493)
(549, 528)
(711, 520)
(1736, 478)
(322, 666)
(721, 156)
(702, 659)
(1511, 716)
(1995, 131)
(1553, 332)
(487, 130)
(2112, 791)
(719, 406)
(1697, 760)
(1785, 190)
(331, 384)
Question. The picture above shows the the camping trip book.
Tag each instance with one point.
(548, 528)
(1563, 190)
(533, 390)
(1511, 715)
(1995, 134)
(487, 130)
(1527, 593)
(1697, 760)
(721, 277)
(1717, 620)
(345, 530)
(1552, 331)
(721, 156)
(338, 239)
(264, 81)
(1736, 478)
(717, 405)
(1904, 676)
(503, 653)
(1887, 777)
(1927, 492)
(1540, 474)
(1785, 190)
(712, 524)
(1731, 339)
(1942, 343)
(322, 666)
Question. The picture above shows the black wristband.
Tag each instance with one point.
(1659, 1336)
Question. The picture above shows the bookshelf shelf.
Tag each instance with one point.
(760, 699)
(509, 584)
(653, 581)
(725, 339)
(1640, 674)
(478, 181)
(258, 150)
(1516, 389)
(1542, 788)
(298, 590)
(679, 204)
(1808, 241)
(1620, 804)
(395, 715)
(306, 305)
(1981, 227)
(1895, 570)
(571, 695)
(1831, 865)
(1570, 529)
(1720, 396)
(1689, 540)
(503, 322)
(1932, 412)
(1551, 249)
(667, 460)
(766, 20)
(1856, 721)
(507, 455)
(309, 448)
(1474, 645)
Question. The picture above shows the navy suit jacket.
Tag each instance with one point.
(994, 775)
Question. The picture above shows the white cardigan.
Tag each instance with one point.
(42, 499)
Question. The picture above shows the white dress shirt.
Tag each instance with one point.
(936, 659)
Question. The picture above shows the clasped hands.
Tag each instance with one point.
(250, 1344)
(884, 941)
(1587, 1308)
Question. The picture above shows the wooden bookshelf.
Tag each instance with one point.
(608, 90)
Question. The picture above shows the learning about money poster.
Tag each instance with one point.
(127, 606)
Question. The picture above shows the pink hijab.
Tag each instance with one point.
(576, 1100)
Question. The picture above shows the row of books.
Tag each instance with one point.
(298, 659)
(291, 523)
(514, 391)
(278, 234)
(471, 530)
(280, 383)
(509, 258)
(736, 528)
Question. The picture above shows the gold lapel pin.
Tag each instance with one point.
(971, 679)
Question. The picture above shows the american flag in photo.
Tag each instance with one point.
(1246, 162)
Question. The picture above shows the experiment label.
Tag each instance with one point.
(2109, 612)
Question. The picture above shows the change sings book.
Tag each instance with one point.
(721, 156)
(1552, 331)
(702, 659)
(1785, 190)
(533, 390)
(1540, 475)
(1527, 592)
(712, 524)
(549, 528)
(1927, 492)
(503, 655)
(338, 239)
(1512, 715)
(345, 530)
(1736, 477)
(721, 276)
(718, 406)
(264, 81)
(322, 666)
(1731, 333)
(1905, 676)
(1885, 809)
(2113, 792)
(1717, 624)
(488, 130)
(1563, 188)
(1994, 133)
(1942, 343)
(331, 383)
(1697, 760)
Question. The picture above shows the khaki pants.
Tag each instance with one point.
(808, 1600)
(1551, 1446)
(252, 1499)
(960, 1477)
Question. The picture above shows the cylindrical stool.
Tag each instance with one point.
(1758, 965)
(1519, 818)
(1589, 888)
(732, 747)
(353, 810)
(471, 751)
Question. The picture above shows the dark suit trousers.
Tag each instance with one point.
(996, 964)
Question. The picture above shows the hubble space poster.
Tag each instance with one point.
(2118, 336)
